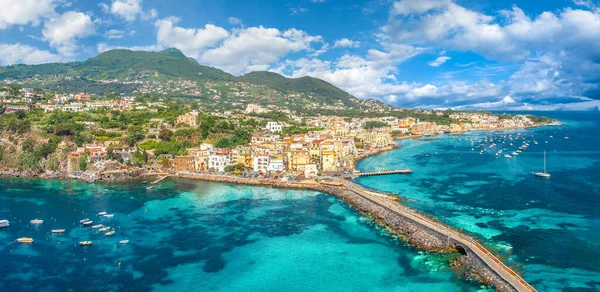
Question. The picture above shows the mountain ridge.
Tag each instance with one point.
(127, 66)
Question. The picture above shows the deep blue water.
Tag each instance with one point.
(548, 228)
(198, 236)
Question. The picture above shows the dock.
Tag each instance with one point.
(384, 172)
(159, 179)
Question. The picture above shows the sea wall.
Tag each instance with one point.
(409, 230)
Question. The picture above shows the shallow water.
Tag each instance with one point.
(548, 228)
(198, 236)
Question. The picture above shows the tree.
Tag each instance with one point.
(83, 163)
(28, 145)
(165, 134)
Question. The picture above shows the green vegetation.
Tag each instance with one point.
(374, 124)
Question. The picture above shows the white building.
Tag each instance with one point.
(273, 127)
(219, 161)
(276, 165)
(260, 163)
(310, 170)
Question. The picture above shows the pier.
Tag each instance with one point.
(418, 229)
(159, 179)
(384, 172)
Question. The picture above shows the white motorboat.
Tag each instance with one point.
(36, 221)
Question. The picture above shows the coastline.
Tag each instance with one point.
(414, 233)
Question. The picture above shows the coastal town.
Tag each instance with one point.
(122, 136)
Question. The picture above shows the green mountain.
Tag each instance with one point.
(317, 87)
(115, 70)
(122, 65)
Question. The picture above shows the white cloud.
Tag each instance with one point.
(235, 21)
(257, 47)
(192, 42)
(346, 43)
(298, 10)
(63, 31)
(24, 54)
(22, 12)
(439, 61)
(126, 9)
(117, 34)
(317, 1)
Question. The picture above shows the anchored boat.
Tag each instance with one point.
(543, 173)
(4, 223)
(25, 240)
(36, 221)
(56, 231)
(85, 243)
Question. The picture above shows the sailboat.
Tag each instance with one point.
(544, 173)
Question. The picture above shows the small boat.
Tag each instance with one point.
(84, 220)
(109, 233)
(101, 213)
(96, 226)
(109, 215)
(566, 138)
(87, 223)
(25, 240)
(543, 173)
(507, 156)
(36, 221)
(4, 223)
(85, 243)
(104, 229)
(125, 241)
(551, 137)
(56, 231)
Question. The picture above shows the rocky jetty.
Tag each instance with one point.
(417, 234)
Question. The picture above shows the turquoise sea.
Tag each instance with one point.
(199, 236)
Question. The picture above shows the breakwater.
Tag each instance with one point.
(419, 230)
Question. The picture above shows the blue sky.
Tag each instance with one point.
(410, 53)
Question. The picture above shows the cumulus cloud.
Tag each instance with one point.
(63, 31)
(129, 10)
(255, 48)
(24, 12)
(346, 43)
(439, 61)
(191, 41)
(24, 54)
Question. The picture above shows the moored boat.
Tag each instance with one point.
(109, 233)
(101, 213)
(36, 221)
(25, 240)
(87, 223)
(56, 231)
(125, 241)
(84, 220)
(104, 229)
(507, 156)
(96, 226)
(4, 223)
(109, 215)
(85, 243)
